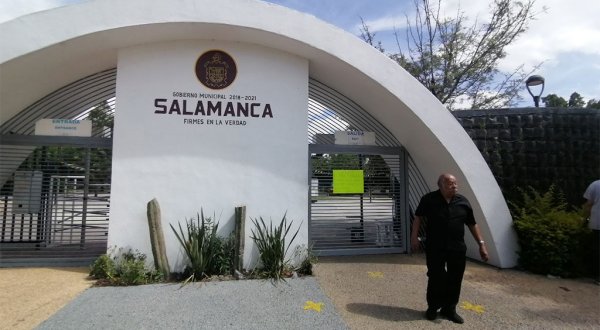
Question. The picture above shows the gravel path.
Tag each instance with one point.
(251, 304)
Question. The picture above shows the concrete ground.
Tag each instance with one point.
(367, 292)
(29, 296)
(388, 292)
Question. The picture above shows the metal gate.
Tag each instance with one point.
(54, 199)
(370, 220)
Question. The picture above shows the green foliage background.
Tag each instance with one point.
(553, 239)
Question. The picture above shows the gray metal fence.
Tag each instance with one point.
(54, 205)
(330, 111)
(371, 219)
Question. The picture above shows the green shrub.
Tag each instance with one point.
(207, 253)
(124, 268)
(131, 268)
(272, 247)
(103, 268)
(552, 239)
(223, 259)
(305, 259)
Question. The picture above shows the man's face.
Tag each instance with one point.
(449, 187)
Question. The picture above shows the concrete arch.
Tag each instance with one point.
(44, 51)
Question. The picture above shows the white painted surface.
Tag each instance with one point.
(47, 50)
(262, 164)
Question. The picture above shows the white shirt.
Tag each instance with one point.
(592, 194)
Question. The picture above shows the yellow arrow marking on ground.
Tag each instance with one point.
(375, 274)
(313, 305)
(476, 308)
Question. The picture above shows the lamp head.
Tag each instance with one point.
(535, 80)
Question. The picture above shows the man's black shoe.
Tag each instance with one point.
(431, 314)
(452, 316)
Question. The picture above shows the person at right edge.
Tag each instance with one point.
(446, 213)
(591, 209)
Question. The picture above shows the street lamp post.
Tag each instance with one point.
(535, 80)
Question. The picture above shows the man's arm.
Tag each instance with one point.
(415, 244)
(474, 229)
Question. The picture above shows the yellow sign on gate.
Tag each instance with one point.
(348, 182)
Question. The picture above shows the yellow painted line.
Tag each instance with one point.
(375, 274)
(476, 308)
(316, 306)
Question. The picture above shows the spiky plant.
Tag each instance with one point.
(273, 246)
(201, 246)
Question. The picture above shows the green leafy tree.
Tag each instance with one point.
(576, 101)
(369, 37)
(554, 101)
(102, 117)
(593, 104)
(455, 59)
(377, 173)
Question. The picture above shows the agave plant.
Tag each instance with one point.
(272, 246)
(201, 245)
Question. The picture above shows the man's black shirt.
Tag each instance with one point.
(445, 226)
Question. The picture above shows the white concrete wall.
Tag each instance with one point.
(262, 164)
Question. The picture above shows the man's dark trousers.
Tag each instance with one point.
(445, 271)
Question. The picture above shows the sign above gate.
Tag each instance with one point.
(357, 138)
(63, 127)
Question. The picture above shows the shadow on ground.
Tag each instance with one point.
(383, 259)
(383, 312)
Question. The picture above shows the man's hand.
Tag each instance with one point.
(415, 244)
(483, 252)
(479, 239)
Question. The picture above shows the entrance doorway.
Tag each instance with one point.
(358, 200)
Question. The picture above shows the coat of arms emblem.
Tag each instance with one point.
(216, 69)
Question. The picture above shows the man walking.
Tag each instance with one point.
(446, 213)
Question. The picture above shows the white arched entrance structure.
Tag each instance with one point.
(47, 50)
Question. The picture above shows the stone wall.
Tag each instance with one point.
(538, 147)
